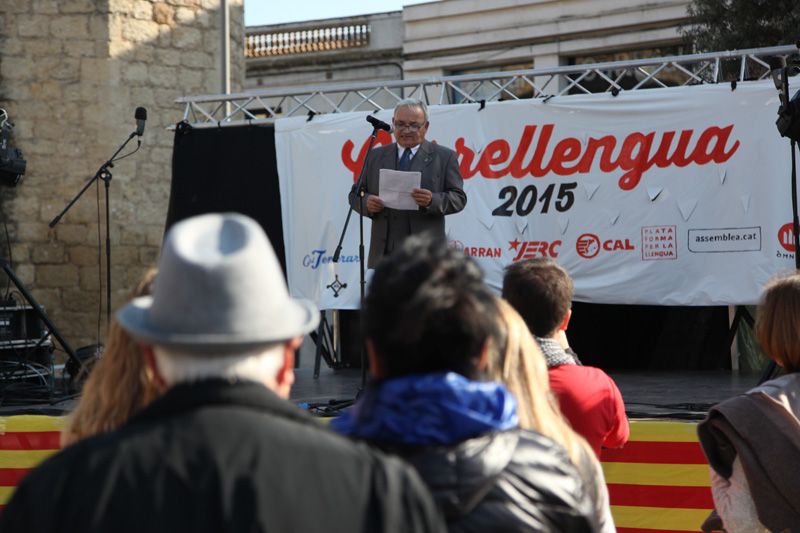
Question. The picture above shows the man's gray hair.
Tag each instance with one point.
(255, 364)
(413, 102)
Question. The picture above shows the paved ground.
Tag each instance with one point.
(678, 394)
(660, 394)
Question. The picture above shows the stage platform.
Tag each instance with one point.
(680, 395)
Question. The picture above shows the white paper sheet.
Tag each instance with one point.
(395, 188)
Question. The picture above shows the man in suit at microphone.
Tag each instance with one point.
(441, 192)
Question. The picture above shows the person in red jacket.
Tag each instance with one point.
(541, 291)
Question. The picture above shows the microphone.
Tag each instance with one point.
(378, 124)
(141, 116)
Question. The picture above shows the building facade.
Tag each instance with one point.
(455, 37)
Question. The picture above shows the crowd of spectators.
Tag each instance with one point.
(184, 425)
(220, 448)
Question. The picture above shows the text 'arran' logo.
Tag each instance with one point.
(476, 251)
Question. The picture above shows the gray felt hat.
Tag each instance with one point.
(219, 288)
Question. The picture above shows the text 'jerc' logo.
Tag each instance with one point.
(531, 249)
(589, 245)
(786, 237)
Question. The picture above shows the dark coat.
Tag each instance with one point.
(440, 175)
(761, 428)
(220, 457)
(508, 481)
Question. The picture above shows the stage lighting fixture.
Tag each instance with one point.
(12, 165)
(788, 122)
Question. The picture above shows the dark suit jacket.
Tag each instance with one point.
(220, 457)
(440, 175)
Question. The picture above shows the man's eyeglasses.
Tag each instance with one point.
(403, 126)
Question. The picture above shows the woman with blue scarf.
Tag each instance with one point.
(429, 321)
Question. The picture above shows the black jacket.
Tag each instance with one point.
(220, 457)
(514, 480)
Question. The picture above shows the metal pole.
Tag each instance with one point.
(226, 53)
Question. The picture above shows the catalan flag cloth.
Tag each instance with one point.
(25, 441)
(660, 480)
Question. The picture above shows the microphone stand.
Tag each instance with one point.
(361, 190)
(103, 173)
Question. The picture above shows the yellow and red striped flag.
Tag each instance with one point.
(25, 441)
(660, 480)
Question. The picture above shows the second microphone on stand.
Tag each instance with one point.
(140, 115)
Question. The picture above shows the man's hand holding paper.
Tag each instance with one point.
(423, 197)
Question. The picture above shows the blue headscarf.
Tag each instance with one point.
(429, 409)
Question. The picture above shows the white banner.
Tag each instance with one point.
(677, 196)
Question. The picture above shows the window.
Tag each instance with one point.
(629, 78)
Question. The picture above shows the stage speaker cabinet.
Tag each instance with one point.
(23, 337)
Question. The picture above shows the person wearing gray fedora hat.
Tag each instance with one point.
(220, 288)
(220, 449)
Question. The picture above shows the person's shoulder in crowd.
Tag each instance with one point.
(514, 480)
(591, 401)
(592, 376)
(196, 457)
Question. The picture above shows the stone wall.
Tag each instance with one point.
(71, 75)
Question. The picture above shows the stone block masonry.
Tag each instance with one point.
(71, 75)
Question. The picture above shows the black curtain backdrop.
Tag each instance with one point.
(232, 169)
(649, 337)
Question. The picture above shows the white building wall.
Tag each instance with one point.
(450, 35)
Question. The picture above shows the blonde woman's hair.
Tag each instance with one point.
(778, 321)
(518, 362)
(119, 385)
